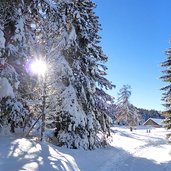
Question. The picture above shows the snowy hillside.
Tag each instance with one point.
(129, 151)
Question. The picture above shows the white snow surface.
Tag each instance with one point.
(5, 88)
(128, 151)
(2, 40)
(52, 4)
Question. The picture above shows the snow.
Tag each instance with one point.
(9, 78)
(19, 28)
(23, 154)
(72, 35)
(128, 151)
(5, 88)
(52, 4)
(2, 40)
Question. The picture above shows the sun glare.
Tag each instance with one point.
(39, 67)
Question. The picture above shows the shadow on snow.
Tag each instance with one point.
(35, 156)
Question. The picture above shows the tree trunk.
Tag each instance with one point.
(12, 126)
(43, 109)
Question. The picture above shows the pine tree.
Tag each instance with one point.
(105, 109)
(65, 35)
(126, 113)
(84, 57)
(167, 89)
(75, 59)
(16, 37)
(13, 110)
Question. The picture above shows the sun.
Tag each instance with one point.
(38, 67)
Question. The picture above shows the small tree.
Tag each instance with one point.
(126, 113)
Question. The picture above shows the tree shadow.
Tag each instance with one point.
(115, 159)
(23, 154)
(133, 163)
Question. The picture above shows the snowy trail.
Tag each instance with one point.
(148, 152)
(129, 151)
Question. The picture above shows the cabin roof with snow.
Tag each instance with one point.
(154, 122)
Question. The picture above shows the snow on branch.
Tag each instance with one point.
(52, 4)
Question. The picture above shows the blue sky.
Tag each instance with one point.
(135, 34)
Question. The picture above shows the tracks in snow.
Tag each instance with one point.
(141, 158)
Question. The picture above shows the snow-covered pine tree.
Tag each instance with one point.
(44, 22)
(84, 56)
(105, 109)
(65, 33)
(19, 43)
(14, 50)
(126, 113)
(70, 46)
(167, 89)
(13, 112)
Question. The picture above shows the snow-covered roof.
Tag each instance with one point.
(158, 121)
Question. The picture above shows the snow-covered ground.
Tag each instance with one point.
(129, 151)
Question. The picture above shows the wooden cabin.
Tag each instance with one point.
(153, 122)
